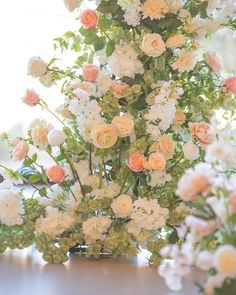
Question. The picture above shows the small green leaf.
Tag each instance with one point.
(35, 178)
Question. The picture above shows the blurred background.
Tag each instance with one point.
(27, 29)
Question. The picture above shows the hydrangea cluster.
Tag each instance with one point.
(138, 100)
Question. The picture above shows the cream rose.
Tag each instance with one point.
(36, 67)
(225, 260)
(166, 146)
(104, 136)
(71, 5)
(191, 151)
(154, 9)
(153, 45)
(39, 133)
(186, 61)
(56, 137)
(20, 149)
(176, 41)
(124, 125)
(122, 206)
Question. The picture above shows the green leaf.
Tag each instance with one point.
(99, 43)
(173, 238)
(35, 178)
(34, 157)
(110, 48)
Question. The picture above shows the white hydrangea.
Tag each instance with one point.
(139, 234)
(55, 222)
(132, 11)
(124, 62)
(109, 191)
(162, 101)
(95, 228)
(148, 214)
(153, 131)
(122, 206)
(223, 153)
(11, 205)
(103, 84)
(86, 111)
(158, 178)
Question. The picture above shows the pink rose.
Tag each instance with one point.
(31, 98)
(233, 202)
(203, 133)
(90, 72)
(56, 174)
(89, 19)
(20, 149)
(136, 162)
(214, 62)
(231, 85)
(119, 89)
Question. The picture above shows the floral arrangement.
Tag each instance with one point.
(209, 233)
(138, 100)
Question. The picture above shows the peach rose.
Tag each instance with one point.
(165, 146)
(124, 125)
(89, 19)
(176, 41)
(214, 61)
(203, 133)
(104, 136)
(20, 149)
(231, 85)
(156, 161)
(31, 98)
(153, 45)
(90, 72)
(136, 162)
(233, 202)
(118, 89)
(56, 174)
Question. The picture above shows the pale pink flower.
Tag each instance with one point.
(214, 61)
(20, 149)
(56, 174)
(31, 98)
(231, 85)
(89, 19)
(118, 89)
(90, 72)
(203, 133)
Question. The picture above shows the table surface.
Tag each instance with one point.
(25, 273)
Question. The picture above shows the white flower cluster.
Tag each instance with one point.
(124, 62)
(55, 222)
(158, 178)
(87, 113)
(11, 205)
(163, 107)
(148, 214)
(132, 11)
(95, 228)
